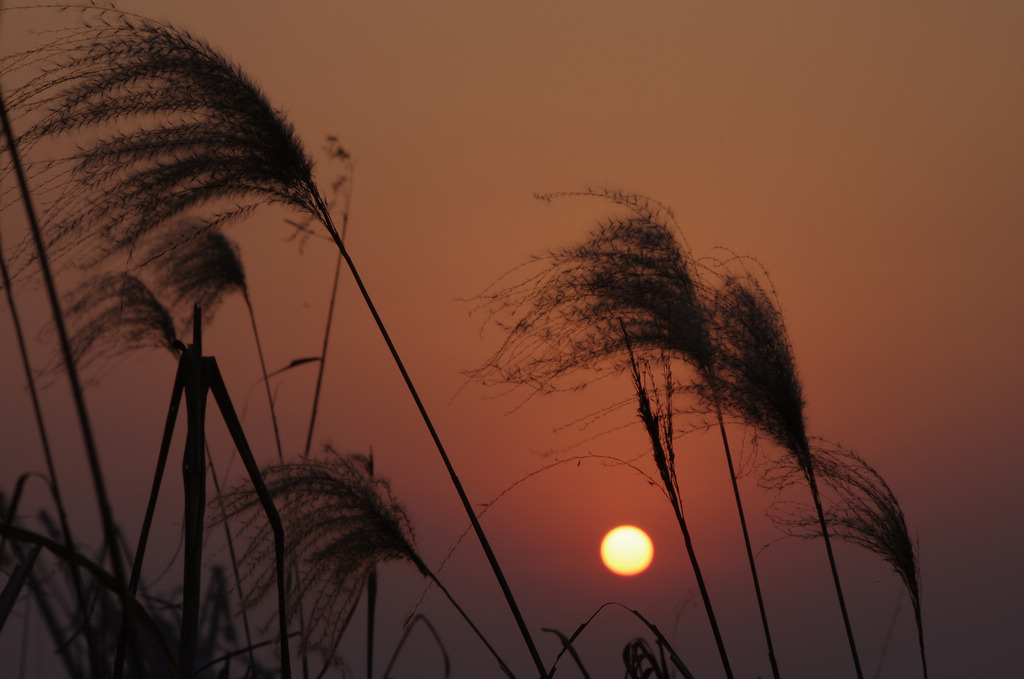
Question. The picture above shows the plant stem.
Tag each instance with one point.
(477, 528)
(65, 526)
(661, 459)
(323, 356)
(809, 471)
(746, 542)
(92, 455)
(266, 379)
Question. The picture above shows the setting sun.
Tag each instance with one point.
(626, 550)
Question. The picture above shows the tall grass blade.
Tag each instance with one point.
(213, 378)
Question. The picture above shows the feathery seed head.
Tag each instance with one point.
(166, 126)
(339, 522)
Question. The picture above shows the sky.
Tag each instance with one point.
(870, 155)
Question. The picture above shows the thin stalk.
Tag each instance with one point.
(371, 585)
(832, 563)
(266, 379)
(661, 458)
(746, 542)
(193, 471)
(477, 528)
(330, 316)
(433, 578)
(323, 355)
(234, 561)
(92, 455)
(76, 575)
(227, 411)
(371, 613)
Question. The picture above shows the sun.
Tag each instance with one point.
(627, 550)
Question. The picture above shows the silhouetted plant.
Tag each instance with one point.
(861, 509)
(756, 378)
(656, 415)
(110, 314)
(53, 480)
(568, 317)
(340, 523)
(197, 268)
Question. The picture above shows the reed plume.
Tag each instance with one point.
(567, 318)
(756, 379)
(861, 509)
(166, 127)
(340, 523)
(112, 313)
(197, 267)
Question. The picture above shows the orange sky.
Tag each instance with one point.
(871, 156)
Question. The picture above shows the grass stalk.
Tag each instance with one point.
(266, 378)
(234, 562)
(323, 354)
(477, 528)
(62, 514)
(227, 410)
(663, 457)
(92, 454)
(194, 476)
(835, 572)
(746, 543)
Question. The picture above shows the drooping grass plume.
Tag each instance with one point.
(568, 317)
(166, 127)
(197, 266)
(860, 509)
(756, 379)
(109, 314)
(340, 523)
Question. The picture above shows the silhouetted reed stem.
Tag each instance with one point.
(323, 354)
(809, 473)
(746, 543)
(234, 561)
(92, 455)
(65, 526)
(663, 460)
(477, 528)
(266, 378)
(194, 475)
